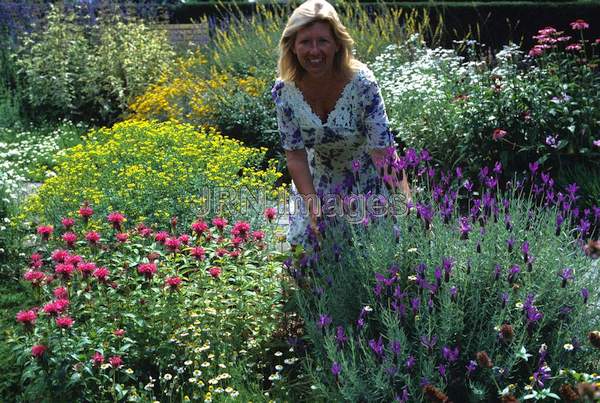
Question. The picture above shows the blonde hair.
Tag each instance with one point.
(308, 13)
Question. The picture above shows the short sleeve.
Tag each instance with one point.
(290, 134)
(375, 120)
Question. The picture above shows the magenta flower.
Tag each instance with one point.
(147, 270)
(67, 222)
(92, 237)
(270, 213)
(27, 318)
(498, 134)
(199, 227)
(198, 252)
(579, 25)
(122, 237)
(336, 369)
(97, 359)
(38, 350)
(116, 219)
(64, 322)
(574, 47)
(115, 361)
(596, 143)
(45, 231)
(219, 222)
(101, 274)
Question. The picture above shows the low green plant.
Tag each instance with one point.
(468, 295)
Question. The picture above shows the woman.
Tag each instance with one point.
(331, 118)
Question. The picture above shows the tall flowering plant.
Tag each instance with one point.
(476, 294)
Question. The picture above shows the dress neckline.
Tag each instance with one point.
(335, 106)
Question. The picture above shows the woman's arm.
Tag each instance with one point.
(297, 163)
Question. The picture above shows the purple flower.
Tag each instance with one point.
(533, 167)
(429, 342)
(324, 321)
(442, 370)
(391, 371)
(497, 271)
(447, 263)
(396, 347)
(471, 367)
(525, 250)
(340, 336)
(585, 294)
(596, 143)
(510, 242)
(438, 275)
(513, 273)
(468, 185)
(336, 369)
(404, 397)
(453, 292)
(497, 168)
(534, 315)
(415, 303)
(504, 298)
(583, 227)
(410, 362)
(459, 174)
(491, 182)
(464, 228)
(355, 166)
(566, 274)
(552, 141)
(450, 354)
(377, 346)
(542, 375)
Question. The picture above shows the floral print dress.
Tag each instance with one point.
(338, 150)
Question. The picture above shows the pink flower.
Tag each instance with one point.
(38, 350)
(35, 257)
(119, 332)
(221, 252)
(122, 237)
(241, 229)
(147, 269)
(199, 227)
(64, 322)
(579, 24)
(67, 222)
(236, 241)
(563, 38)
(92, 237)
(172, 244)
(596, 143)
(219, 222)
(73, 259)
(65, 270)
(116, 219)
(34, 277)
(270, 213)
(498, 134)
(198, 252)
(161, 236)
(86, 268)
(101, 274)
(59, 255)
(45, 231)
(184, 239)
(97, 359)
(214, 271)
(61, 292)
(143, 230)
(574, 47)
(115, 361)
(173, 282)
(536, 51)
(234, 253)
(69, 238)
(86, 211)
(56, 307)
(597, 41)
(27, 318)
(547, 31)
(258, 235)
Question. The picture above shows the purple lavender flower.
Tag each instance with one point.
(340, 336)
(438, 275)
(583, 227)
(504, 298)
(356, 166)
(497, 271)
(396, 347)
(430, 304)
(450, 354)
(566, 274)
(453, 293)
(442, 370)
(528, 303)
(585, 294)
(448, 264)
(491, 182)
(377, 346)
(404, 397)
(533, 167)
(542, 375)
(471, 367)
(571, 190)
(525, 250)
(324, 321)
(464, 228)
(415, 303)
(410, 362)
(429, 342)
(508, 222)
(459, 174)
(552, 141)
(510, 242)
(483, 173)
(497, 168)
(468, 185)
(513, 273)
(336, 369)
(391, 371)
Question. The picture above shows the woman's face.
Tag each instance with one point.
(315, 48)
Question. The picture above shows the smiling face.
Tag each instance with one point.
(315, 48)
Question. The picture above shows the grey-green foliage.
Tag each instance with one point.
(77, 70)
(341, 286)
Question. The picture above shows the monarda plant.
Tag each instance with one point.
(469, 294)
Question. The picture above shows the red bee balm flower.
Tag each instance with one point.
(219, 222)
(184, 239)
(214, 271)
(578, 25)
(147, 269)
(116, 219)
(97, 359)
(119, 332)
(101, 274)
(67, 222)
(64, 322)
(115, 361)
(60, 292)
(498, 134)
(65, 270)
(122, 237)
(86, 211)
(86, 268)
(27, 318)
(45, 231)
(241, 229)
(258, 235)
(70, 238)
(270, 213)
(34, 277)
(172, 244)
(92, 237)
(173, 282)
(199, 227)
(161, 236)
(38, 350)
(59, 255)
(198, 252)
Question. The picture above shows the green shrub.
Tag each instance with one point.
(89, 72)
